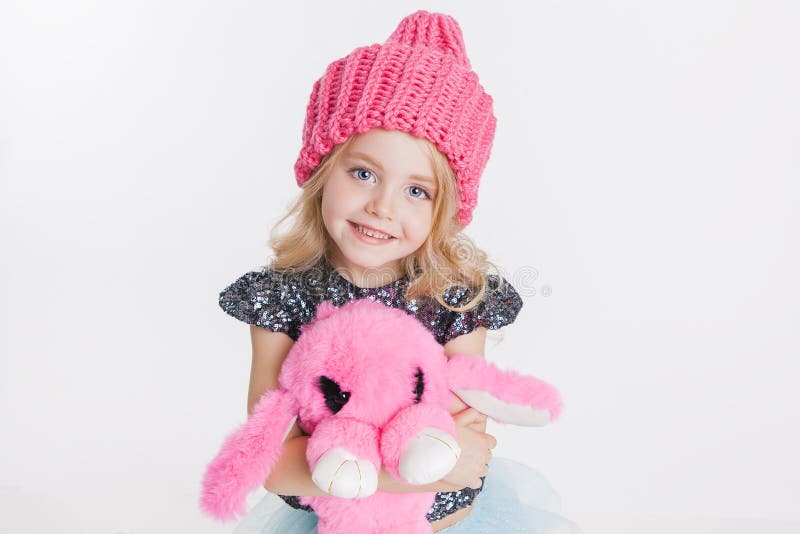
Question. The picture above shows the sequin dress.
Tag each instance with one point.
(283, 302)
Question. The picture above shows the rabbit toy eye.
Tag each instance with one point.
(419, 387)
(335, 398)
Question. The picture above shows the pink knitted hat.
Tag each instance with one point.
(419, 81)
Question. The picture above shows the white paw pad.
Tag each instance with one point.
(341, 474)
(429, 456)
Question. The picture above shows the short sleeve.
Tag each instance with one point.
(262, 298)
(499, 308)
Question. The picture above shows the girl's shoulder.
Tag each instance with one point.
(499, 307)
(280, 301)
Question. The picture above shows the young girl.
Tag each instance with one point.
(395, 139)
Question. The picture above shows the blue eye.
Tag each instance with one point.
(362, 174)
(418, 192)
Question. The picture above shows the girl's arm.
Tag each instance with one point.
(292, 476)
(475, 443)
(474, 344)
(269, 350)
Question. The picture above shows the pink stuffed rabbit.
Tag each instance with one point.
(372, 387)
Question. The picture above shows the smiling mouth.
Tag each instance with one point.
(370, 232)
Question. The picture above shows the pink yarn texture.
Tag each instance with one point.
(419, 81)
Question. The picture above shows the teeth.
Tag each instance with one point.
(372, 233)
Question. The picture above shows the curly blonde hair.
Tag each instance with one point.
(446, 259)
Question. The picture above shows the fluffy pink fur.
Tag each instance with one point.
(246, 455)
(375, 353)
(470, 372)
(381, 513)
(370, 350)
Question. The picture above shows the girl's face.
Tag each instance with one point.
(377, 203)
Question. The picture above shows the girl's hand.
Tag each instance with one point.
(476, 446)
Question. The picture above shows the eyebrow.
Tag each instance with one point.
(418, 177)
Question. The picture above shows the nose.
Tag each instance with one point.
(380, 203)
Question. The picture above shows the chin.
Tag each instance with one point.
(364, 260)
(369, 263)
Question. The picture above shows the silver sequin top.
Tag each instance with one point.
(284, 302)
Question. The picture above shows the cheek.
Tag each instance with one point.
(420, 227)
(338, 200)
(331, 207)
(326, 215)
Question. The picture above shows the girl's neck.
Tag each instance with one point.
(366, 277)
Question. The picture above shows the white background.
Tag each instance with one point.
(645, 170)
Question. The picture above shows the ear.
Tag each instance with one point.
(505, 396)
(248, 456)
(325, 309)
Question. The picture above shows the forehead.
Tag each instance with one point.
(394, 151)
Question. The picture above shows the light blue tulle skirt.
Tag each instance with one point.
(514, 499)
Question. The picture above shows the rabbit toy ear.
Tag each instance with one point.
(505, 396)
(248, 456)
(325, 309)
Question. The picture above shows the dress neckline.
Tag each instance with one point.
(332, 270)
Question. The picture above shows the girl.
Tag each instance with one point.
(395, 139)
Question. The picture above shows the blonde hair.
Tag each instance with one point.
(446, 259)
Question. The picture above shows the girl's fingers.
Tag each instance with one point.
(469, 416)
